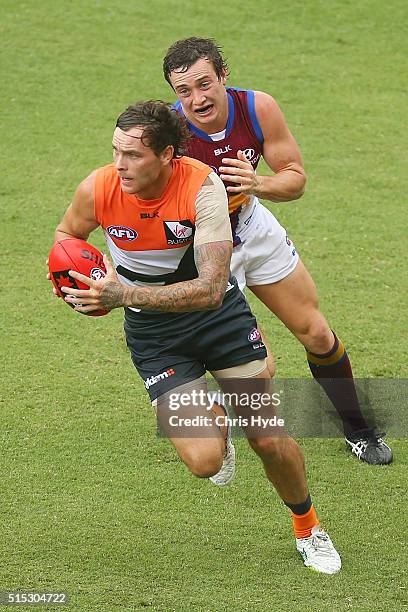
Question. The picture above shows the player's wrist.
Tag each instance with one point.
(258, 189)
(271, 188)
(128, 296)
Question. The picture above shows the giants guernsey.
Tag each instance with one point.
(151, 241)
(242, 132)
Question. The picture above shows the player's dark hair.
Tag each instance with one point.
(161, 125)
(184, 53)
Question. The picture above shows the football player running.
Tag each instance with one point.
(184, 314)
(231, 129)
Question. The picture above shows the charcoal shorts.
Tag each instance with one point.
(171, 349)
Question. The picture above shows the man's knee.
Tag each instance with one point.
(202, 464)
(316, 334)
(271, 448)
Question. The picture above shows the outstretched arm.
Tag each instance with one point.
(281, 153)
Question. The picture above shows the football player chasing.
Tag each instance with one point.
(231, 129)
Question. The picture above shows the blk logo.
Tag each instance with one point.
(152, 215)
(223, 150)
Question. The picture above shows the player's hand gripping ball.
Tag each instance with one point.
(75, 254)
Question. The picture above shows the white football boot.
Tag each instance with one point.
(227, 471)
(318, 552)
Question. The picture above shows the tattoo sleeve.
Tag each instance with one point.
(205, 292)
(114, 295)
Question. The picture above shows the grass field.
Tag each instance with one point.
(91, 501)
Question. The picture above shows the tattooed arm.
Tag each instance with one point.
(205, 292)
(212, 253)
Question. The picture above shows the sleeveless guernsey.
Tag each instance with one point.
(242, 132)
(151, 241)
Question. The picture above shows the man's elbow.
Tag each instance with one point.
(301, 186)
(63, 231)
(216, 297)
(215, 301)
(299, 194)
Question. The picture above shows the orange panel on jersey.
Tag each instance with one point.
(145, 225)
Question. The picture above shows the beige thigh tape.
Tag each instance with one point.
(244, 370)
(183, 388)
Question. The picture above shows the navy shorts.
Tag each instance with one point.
(171, 349)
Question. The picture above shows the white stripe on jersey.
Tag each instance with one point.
(152, 263)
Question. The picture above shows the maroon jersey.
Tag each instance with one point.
(242, 132)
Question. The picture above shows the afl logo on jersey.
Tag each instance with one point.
(120, 232)
(254, 335)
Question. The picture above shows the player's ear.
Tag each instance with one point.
(223, 77)
(167, 154)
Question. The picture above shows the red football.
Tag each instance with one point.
(75, 254)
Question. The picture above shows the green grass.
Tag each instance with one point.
(91, 501)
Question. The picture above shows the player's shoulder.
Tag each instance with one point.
(105, 174)
(267, 110)
(107, 170)
(245, 92)
(191, 163)
(264, 100)
(86, 187)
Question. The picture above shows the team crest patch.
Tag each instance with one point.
(178, 232)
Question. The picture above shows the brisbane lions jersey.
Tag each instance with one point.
(242, 132)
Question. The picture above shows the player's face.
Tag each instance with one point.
(202, 96)
(140, 170)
